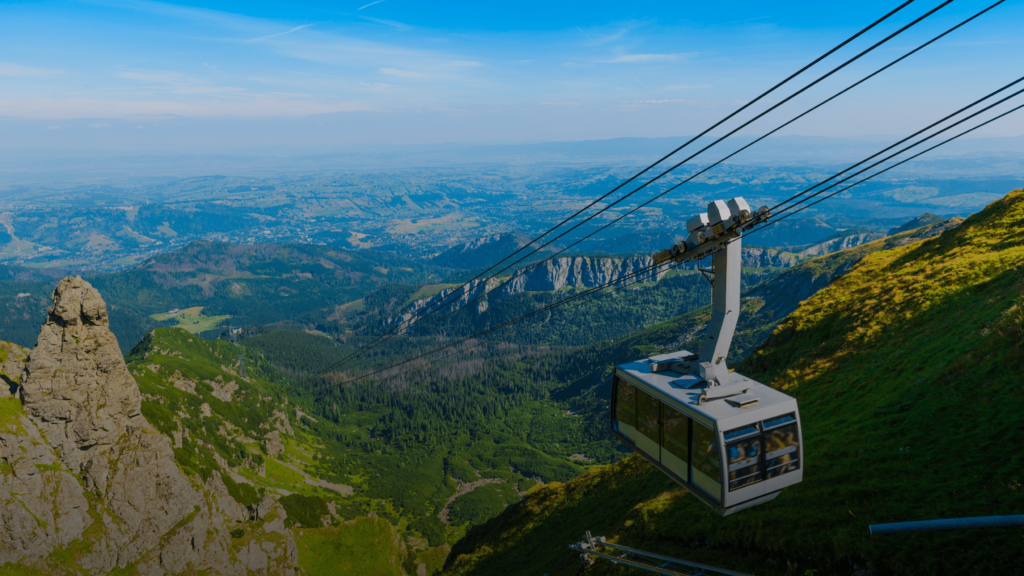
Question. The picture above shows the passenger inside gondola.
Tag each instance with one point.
(782, 447)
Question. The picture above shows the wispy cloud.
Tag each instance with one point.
(644, 58)
(262, 107)
(392, 23)
(737, 21)
(161, 78)
(8, 69)
(178, 82)
(269, 36)
(612, 37)
(401, 73)
(368, 5)
(209, 90)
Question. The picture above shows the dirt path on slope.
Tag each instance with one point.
(464, 488)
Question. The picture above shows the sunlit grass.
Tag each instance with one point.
(362, 546)
(192, 319)
(907, 370)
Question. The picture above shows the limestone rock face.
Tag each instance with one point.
(83, 418)
(76, 384)
(755, 257)
(76, 428)
(79, 393)
(273, 443)
(580, 272)
(35, 496)
(837, 244)
(558, 273)
(12, 368)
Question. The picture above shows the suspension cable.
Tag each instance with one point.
(454, 295)
(654, 266)
(488, 290)
(885, 170)
(904, 149)
(705, 132)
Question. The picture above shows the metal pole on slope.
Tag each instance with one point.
(669, 566)
(948, 524)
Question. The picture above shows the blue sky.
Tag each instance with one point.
(141, 75)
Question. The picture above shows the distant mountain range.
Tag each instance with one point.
(1002, 155)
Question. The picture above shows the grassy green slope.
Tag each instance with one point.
(907, 370)
(251, 431)
(371, 458)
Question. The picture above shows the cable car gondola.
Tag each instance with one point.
(730, 441)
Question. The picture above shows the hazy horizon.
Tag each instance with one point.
(138, 75)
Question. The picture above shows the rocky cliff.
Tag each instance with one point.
(85, 473)
(483, 251)
(554, 274)
(837, 244)
(579, 272)
(756, 257)
(922, 220)
(571, 272)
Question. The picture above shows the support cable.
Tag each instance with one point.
(459, 292)
(925, 129)
(652, 267)
(915, 144)
(802, 208)
(716, 125)
(744, 125)
(487, 290)
(462, 289)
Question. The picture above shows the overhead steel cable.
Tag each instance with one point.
(706, 169)
(926, 128)
(649, 268)
(462, 290)
(547, 308)
(456, 292)
(705, 132)
(802, 208)
(914, 145)
(742, 126)
(506, 334)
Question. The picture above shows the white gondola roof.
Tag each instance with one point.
(670, 387)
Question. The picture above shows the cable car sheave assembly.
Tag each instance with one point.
(730, 441)
(649, 561)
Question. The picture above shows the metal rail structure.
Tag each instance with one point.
(649, 561)
(948, 524)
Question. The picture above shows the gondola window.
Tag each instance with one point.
(675, 448)
(625, 409)
(648, 417)
(707, 464)
(744, 451)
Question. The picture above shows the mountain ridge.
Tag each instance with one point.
(906, 370)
